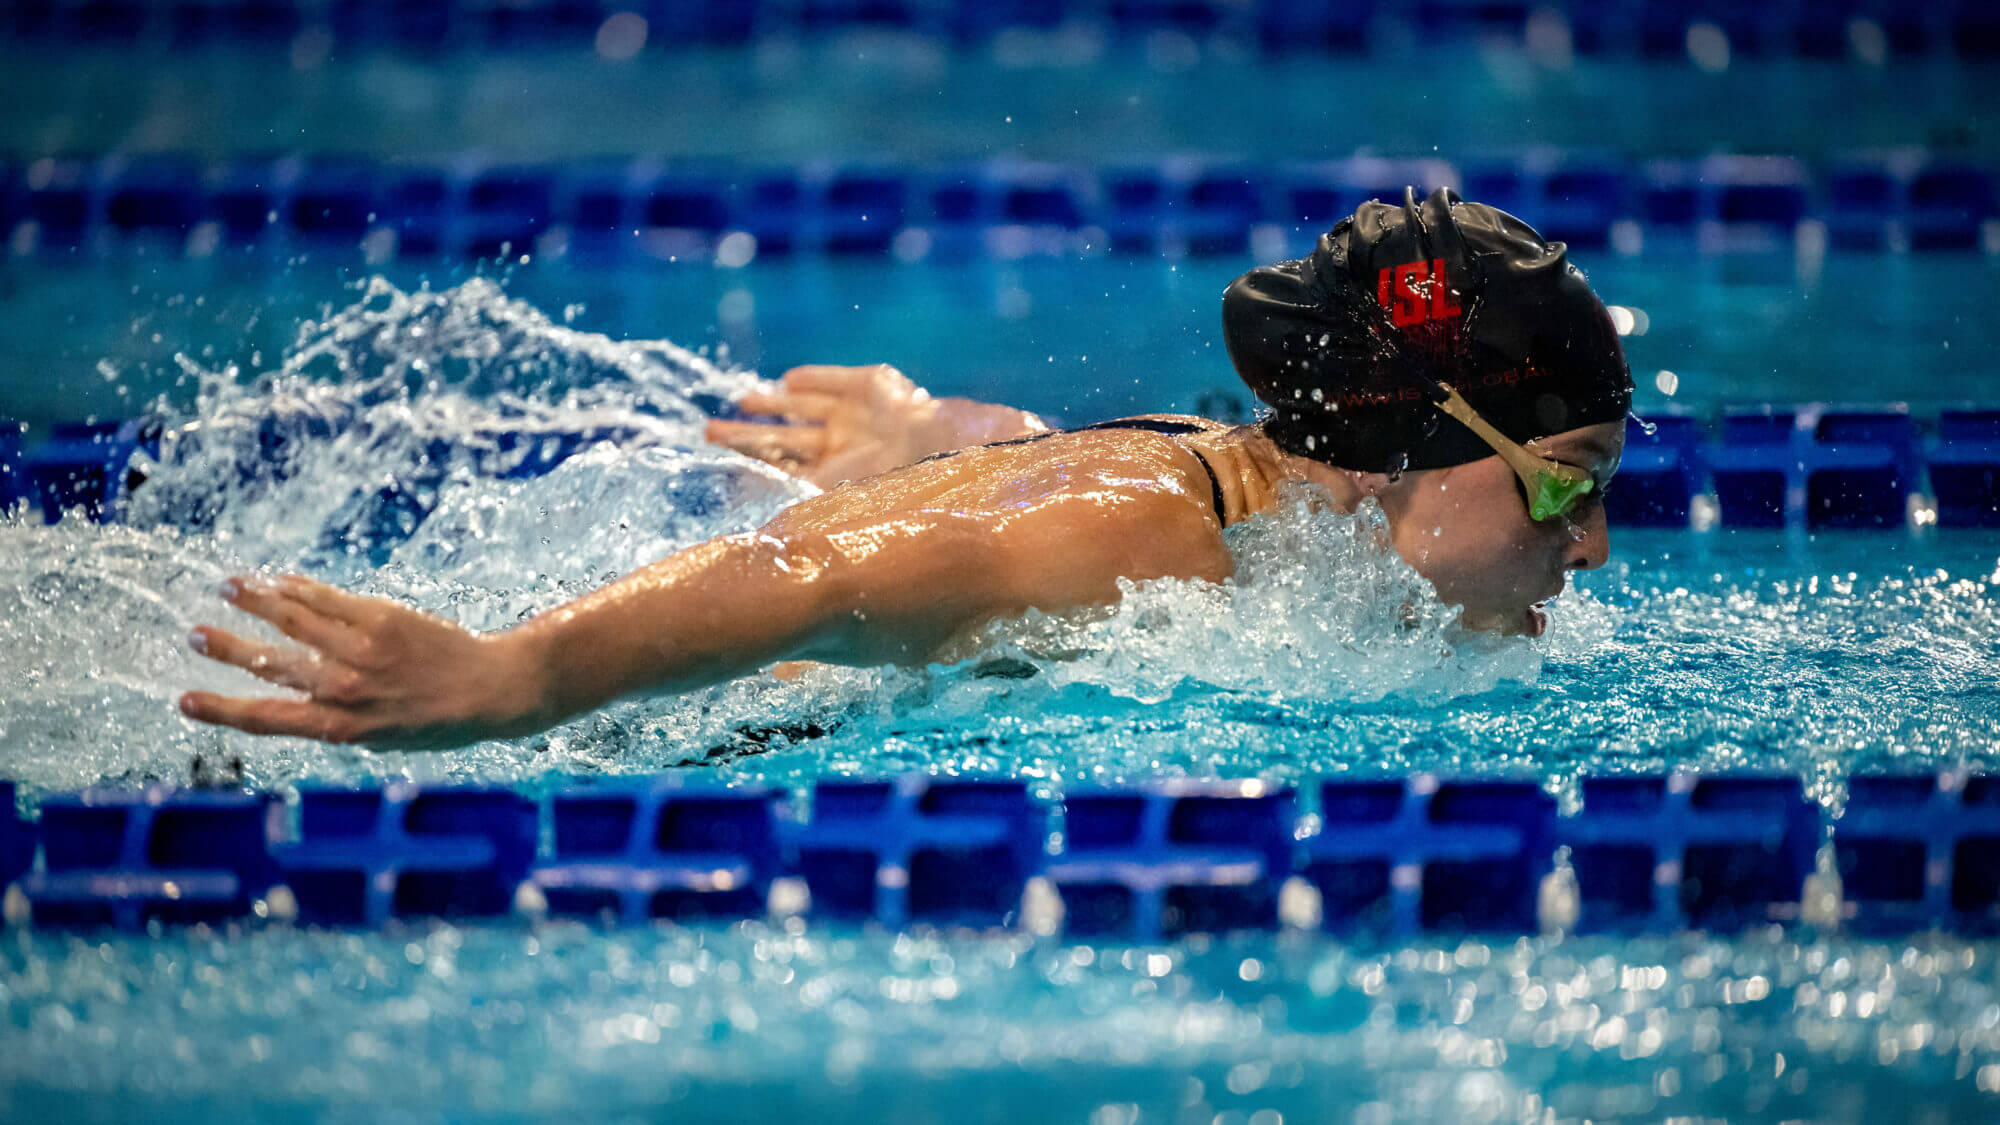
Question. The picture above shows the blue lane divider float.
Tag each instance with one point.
(123, 857)
(1755, 463)
(1819, 30)
(1942, 198)
(366, 855)
(1679, 851)
(1963, 463)
(1919, 852)
(1648, 853)
(1575, 197)
(1173, 858)
(1420, 854)
(912, 849)
(1861, 467)
(1900, 201)
(1777, 467)
(664, 851)
(647, 209)
(1661, 473)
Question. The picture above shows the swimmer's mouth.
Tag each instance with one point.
(1535, 621)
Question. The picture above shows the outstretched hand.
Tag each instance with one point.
(840, 423)
(369, 670)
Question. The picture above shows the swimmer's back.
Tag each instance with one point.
(1052, 522)
(1146, 452)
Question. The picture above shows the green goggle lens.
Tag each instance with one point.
(1556, 495)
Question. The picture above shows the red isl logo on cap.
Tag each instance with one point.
(1416, 293)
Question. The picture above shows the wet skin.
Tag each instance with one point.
(885, 569)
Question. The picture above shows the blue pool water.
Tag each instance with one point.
(1810, 655)
(1083, 338)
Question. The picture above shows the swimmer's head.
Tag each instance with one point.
(1340, 344)
(1349, 347)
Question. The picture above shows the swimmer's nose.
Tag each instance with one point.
(1589, 541)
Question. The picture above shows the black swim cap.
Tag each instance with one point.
(1339, 344)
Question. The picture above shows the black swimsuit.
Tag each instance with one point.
(1156, 425)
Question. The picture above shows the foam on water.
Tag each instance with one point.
(1320, 608)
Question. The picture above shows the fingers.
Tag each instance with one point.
(764, 402)
(843, 382)
(332, 601)
(278, 602)
(284, 665)
(776, 444)
(271, 716)
(810, 406)
(824, 378)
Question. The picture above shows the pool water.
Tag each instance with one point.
(1085, 338)
(873, 96)
(1813, 655)
(756, 1022)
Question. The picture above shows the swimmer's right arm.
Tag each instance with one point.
(842, 423)
(885, 590)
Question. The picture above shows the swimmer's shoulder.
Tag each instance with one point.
(1158, 470)
(1098, 462)
(1239, 465)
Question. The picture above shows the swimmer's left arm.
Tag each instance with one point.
(891, 589)
(374, 671)
(885, 590)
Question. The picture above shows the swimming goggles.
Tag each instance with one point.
(1552, 488)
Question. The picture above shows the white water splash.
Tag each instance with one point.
(1321, 608)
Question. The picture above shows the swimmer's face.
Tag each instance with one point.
(1467, 529)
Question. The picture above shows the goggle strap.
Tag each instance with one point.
(1552, 488)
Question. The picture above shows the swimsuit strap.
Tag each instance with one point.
(1171, 428)
(1166, 426)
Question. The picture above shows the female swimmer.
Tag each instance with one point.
(1439, 358)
